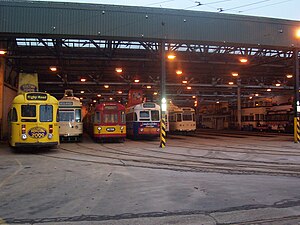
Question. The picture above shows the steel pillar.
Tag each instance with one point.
(163, 95)
(296, 97)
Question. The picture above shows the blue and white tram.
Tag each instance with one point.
(70, 119)
(143, 120)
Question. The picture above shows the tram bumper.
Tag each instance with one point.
(36, 144)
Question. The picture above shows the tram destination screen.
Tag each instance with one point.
(36, 96)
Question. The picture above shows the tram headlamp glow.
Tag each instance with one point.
(99, 128)
(24, 136)
(50, 136)
(122, 128)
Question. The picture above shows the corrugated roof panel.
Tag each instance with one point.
(73, 19)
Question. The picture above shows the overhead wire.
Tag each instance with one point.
(277, 3)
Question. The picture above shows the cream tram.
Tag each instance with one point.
(70, 119)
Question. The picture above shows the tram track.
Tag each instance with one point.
(199, 165)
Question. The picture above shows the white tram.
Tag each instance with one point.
(181, 119)
(70, 118)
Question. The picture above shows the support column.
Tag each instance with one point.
(296, 97)
(239, 107)
(2, 71)
(163, 96)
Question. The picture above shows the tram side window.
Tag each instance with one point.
(14, 115)
(97, 117)
(77, 115)
(179, 118)
(122, 117)
(154, 115)
(172, 118)
(46, 113)
(28, 111)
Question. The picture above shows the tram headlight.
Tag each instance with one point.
(24, 136)
(76, 126)
(99, 128)
(50, 136)
(122, 128)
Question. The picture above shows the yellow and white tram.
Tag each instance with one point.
(33, 120)
(70, 119)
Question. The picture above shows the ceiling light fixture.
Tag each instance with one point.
(3, 52)
(178, 72)
(53, 68)
(243, 60)
(119, 70)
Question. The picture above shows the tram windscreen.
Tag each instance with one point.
(187, 117)
(144, 115)
(110, 118)
(28, 111)
(46, 113)
(66, 116)
(154, 115)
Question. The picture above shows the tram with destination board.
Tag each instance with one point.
(143, 120)
(33, 120)
(182, 120)
(70, 120)
(106, 122)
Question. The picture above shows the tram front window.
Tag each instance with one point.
(46, 113)
(110, 118)
(66, 116)
(144, 115)
(28, 111)
(187, 117)
(154, 115)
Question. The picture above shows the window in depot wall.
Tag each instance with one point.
(46, 113)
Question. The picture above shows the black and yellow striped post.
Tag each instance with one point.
(296, 96)
(163, 131)
(296, 129)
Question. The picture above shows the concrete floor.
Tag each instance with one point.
(209, 178)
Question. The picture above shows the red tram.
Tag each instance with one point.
(106, 122)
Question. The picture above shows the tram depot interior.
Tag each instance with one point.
(212, 77)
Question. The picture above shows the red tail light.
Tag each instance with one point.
(23, 129)
(50, 128)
